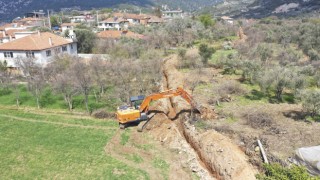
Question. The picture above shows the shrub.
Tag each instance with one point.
(182, 53)
(229, 88)
(278, 172)
(190, 61)
(258, 119)
(102, 114)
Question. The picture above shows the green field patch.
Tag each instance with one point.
(45, 151)
(58, 118)
(219, 54)
(134, 157)
(163, 166)
(125, 137)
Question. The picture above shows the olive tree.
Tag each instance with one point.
(278, 79)
(311, 101)
(250, 70)
(205, 52)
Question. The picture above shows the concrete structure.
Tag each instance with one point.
(78, 19)
(36, 14)
(40, 46)
(172, 14)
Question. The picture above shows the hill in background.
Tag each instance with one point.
(11, 9)
(264, 8)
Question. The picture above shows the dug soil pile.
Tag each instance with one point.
(209, 154)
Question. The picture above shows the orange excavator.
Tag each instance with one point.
(138, 110)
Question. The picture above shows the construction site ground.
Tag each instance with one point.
(224, 144)
(219, 145)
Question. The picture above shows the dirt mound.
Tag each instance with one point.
(219, 154)
(209, 154)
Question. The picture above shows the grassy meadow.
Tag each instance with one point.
(59, 146)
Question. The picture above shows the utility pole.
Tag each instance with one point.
(97, 17)
(49, 19)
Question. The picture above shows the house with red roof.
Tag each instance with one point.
(114, 23)
(39, 46)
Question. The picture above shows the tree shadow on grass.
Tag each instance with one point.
(255, 95)
(296, 115)
(301, 116)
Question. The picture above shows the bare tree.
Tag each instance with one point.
(82, 78)
(5, 75)
(64, 84)
(16, 89)
(34, 75)
(99, 72)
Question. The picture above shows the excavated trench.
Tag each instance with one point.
(182, 129)
(215, 153)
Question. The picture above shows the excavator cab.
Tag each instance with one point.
(136, 101)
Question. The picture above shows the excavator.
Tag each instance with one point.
(139, 107)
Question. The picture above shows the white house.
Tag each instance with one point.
(113, 23)
(70, 28)
(78, 19)
(172, 14)
(40, 46)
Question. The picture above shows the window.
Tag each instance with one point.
(64, 48)
(48, 53)
(71, 46)
(8, 54)
(30, 54)
(57, 50)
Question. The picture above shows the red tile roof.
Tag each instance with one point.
(115, 20)
(35, 42)
(118, 34)
(70, 24)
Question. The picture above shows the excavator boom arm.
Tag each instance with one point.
(166, 94)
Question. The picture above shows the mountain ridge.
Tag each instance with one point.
(264, 8)
(10, 9)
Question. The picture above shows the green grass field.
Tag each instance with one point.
(58, 146)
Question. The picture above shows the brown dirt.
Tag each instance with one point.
(134, 147)
(212, 156)
(287, 132)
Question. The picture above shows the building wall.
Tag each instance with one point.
(107, 26)
(70, 28)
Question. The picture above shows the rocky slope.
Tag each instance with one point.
(264, 8)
